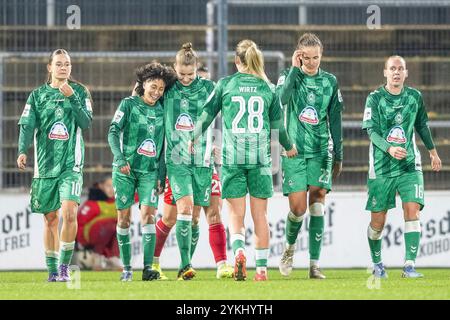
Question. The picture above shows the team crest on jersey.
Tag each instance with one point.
(59, 113)
(398, 118)
(184, 123)
(184, 104)
(151, 128)
(311, 97)
(281, 80)
(309, 115)
(147, 148)
(396, 135)
(58, 132)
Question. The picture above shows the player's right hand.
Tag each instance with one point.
(296, 58)
(292, 153)
(398, 153)
(22, 161)
(126, 169)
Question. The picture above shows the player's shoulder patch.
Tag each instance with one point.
(340, 95)
(367, 114)
(118, 116)
(26, 110)
(281, 80)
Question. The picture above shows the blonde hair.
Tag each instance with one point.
(394, 57)
(186, 56)
(309, 40)
(252, 58)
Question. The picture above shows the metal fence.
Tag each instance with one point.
(115, 38)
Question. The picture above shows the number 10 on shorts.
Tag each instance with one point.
(419, 191)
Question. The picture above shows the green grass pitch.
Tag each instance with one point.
(340, 284)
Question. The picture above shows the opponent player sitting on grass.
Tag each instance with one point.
(136, 138)
(391, 115)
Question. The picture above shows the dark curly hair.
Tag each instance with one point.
(153, 71)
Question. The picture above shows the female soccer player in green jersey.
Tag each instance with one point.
(250, 109)
(313, 106)
(136, 138)
(190, 177)
(55, 115)
(391, 115)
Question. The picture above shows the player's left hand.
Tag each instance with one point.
(436, 163)
(337, 169)
(66, 90)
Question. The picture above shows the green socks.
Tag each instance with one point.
(195, 237)
(374, 237)
(238, 243)
(148, 243)
(316, 226)
(412, 240)
(184, 237)
(262, 255)
(51, 259)
(66, 252)
(293, 226)
(123, 238)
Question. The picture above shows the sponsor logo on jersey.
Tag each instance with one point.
(184, 123)
(398, 118)
(398, 107)
(309, 115)
(58, 132)
(311, 97)
(281, 80)
(396, 135)
(59, 113)
(26, 110)
(147, 148)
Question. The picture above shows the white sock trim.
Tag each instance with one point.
(373, 234)
(123, 232)
(261, 254)
(53, 254)
(412, 226)
(237, 236)
(66, 246)
(409, 263)
(155, 260)
(314, 263)
(184, 217)
(148, 228)
(317, 209)
(294, 218)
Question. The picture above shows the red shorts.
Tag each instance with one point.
(216, 189)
